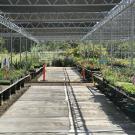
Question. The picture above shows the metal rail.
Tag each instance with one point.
(7, 93)
(59, 2)
(101, 78)
(12, 89)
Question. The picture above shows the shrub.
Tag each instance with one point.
(63, 62)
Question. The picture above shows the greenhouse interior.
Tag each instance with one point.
(67, 67)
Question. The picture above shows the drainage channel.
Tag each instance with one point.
(77, 123)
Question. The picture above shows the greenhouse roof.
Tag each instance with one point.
(56, 19)
(118, 25)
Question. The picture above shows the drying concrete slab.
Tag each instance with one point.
(38, 111)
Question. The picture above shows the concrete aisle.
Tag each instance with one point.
(42, 110)
(74, 75)
(99, 115)
(56, 74)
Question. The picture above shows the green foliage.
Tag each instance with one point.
(120, 49)
(63, 62)
(1, 74)
(13, 74)
(52, 46)
(127, 87)
(2, 48)
(120, 62)
(120, 77)
(16, 74)
(19, 64)
(74, 52)
(117, 74)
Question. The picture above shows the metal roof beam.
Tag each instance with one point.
(58, 38)
(63, 17)
(54, 13)
(59, 33)
(42, 8)
(58, 5)
(56, 21)
(4, 21)
(58, 2)
(55, 28)
(46, 34)
(55, 25)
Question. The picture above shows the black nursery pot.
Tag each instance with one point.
(32, 70)
(36, 66)
(95, 69)
(131, 95)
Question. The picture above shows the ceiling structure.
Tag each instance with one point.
(56, 19)
(118, 25)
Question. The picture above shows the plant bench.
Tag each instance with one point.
(5, 82)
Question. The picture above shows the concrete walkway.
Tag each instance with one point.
(42, 110)
(56, 74)
(98, 115)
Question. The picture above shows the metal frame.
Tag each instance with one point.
(58, 17)
(124, 4)
(4, 21)
(59, 2)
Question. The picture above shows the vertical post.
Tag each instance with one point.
(1, 46)
(132, 37)
(84, 72)
(111, 54)
(93, 51)
(35, 51)
(100, 47)
(11, 50)
(26, 50)
(31, 49)
(111, 51)
(20, 49)
(88, 50)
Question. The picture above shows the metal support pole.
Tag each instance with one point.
(100, 32)
(31, 49)
(35, 51)
(93, 51)
(111, 53)
(26, 49)
(11, 50)
(132, 37)
(20, 49)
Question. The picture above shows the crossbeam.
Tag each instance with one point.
(4, 21)
(58, 2)
(56, 17)
(58, 38)
(51, 8)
